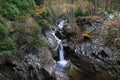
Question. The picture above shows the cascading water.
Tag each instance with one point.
(58, 40)
(61, 51)
(62, 23)
(62, 62)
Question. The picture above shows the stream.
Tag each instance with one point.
(61, 65)
(72, 72)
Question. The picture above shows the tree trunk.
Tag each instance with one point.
(95, 7)
(110, 6)
(106, 8)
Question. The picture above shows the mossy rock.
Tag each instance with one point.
(74, 74)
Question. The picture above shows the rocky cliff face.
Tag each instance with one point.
(94, 50)
(39, 66)
(87, 47)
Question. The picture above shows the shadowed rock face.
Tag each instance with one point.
(84, 68)
(39, 66)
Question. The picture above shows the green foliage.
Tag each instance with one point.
(43, 23)
(3, 32)
(10, 11)
(79, 12)
(115, 5)
(7, 46)
(28, 30)
(14, 9)
(7, 43)
(44, 19)
(29, 34)
(5, 53)
(24, 5)
(37, 41)
(39, 2)
(47, 16)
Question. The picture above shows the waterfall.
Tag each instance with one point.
(62, 61)
(62, 23)
(61, 49)
(58, 40)
(61, 52)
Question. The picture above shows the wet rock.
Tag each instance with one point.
(50, 39)
(61, 68)
(52, 43)
(103, 54)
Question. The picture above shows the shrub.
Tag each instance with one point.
(39, 2)
(37, 41)
(110, 32)
(79, 12)
(7, 43)
(5, 53)
(28, 34)
(3, 32)
(7, 46)
(24, 5)
(44, 19)
(43, 23)
(14, 9)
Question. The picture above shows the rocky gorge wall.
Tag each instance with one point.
(39, 66)
(89, 57)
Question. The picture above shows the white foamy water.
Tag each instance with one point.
(61, 49)
(61, 24)
(63, 62)
(58, 40)
(111, 16)
(61, 52)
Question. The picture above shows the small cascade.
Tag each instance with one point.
(61, 51)
(62, 23)
(62, 63)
